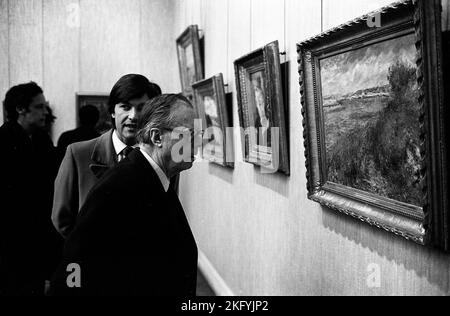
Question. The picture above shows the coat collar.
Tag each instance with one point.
(103, 155)
(104, 152)
(146, 170)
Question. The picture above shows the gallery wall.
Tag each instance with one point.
(68, 46)
(258, 233)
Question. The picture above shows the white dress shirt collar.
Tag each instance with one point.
(117, 143)
(161, 175)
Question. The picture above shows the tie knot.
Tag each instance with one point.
(126, 151)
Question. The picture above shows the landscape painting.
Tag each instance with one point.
(371, 119)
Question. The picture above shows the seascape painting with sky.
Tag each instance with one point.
(371, 117)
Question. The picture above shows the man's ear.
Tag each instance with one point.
(156, 137)
(20, 109)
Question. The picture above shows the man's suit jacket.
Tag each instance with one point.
(83, 165)
(28, 242)
(131, 238)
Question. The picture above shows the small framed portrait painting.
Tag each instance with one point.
(189, 59)
(211, 106)
(261, 109)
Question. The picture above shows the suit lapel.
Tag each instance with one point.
(103, 155)
(98, 170)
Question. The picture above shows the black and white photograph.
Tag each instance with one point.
(224, 155)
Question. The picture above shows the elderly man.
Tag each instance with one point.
(141, 244)
(86, 162)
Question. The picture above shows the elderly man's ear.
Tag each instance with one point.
(156, 137)
(21, 109)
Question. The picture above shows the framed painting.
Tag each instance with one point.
(189, 59)
(372, 108)
(261, 109)
(100, 101)
(211, 106)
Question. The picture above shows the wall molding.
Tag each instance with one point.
(215, 281)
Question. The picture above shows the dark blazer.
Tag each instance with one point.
(83, 165)
(131, 238)
(28, 242)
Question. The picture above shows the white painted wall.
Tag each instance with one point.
(40, 40)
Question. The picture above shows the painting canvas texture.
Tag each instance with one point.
(371, 119)
(213, 148)
(189, 76)
(259, 112)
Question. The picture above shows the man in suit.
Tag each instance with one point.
(132, 236)
(86, 162)
(28, 242)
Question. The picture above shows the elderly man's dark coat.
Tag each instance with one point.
(131, 238)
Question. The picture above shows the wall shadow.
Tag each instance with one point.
(446, 73)
(387, 245)
(285, 82)
(277, 182)
(224, 173)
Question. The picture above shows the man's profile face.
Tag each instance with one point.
(126, 115)
(185, 117)
(36, 113)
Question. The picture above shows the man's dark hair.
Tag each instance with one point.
(130, 87)
(158, 113)
(89, 115)
(20, 96)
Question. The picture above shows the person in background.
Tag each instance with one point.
(89, 116)
(28, 242)
(49, 120)
(132, 236)
(86, 162)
